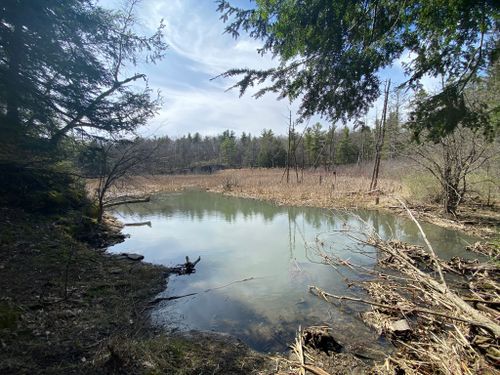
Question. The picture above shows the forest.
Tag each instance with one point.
(79, 91)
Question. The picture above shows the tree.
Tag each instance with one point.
(380, 133)
(228, 149)
(110, 161)
(451, 161)
(347, 152)
(272, 153)
(331, 52)
(395, 138)
(62, 70)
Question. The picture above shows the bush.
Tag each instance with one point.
(422, 187)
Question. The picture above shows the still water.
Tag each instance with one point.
(257, 261)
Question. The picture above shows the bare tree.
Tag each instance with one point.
(451, 161)
(112, 160)
(380, 140)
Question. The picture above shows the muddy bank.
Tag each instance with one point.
(68, 308)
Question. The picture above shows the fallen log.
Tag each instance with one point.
(126, 201)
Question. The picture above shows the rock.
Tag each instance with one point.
(400, 326)
(133, 256)
(401, 330)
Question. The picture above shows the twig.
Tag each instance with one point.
(429, 246)
(160, 299)
(324, 295)
(127, 201)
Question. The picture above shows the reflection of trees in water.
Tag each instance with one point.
(198, 205)
(447, 242)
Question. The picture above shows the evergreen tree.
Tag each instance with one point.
(62, 70)
(347, 152)
(228, 149)
(331, 53)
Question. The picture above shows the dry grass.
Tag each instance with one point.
(348, 188)
(316, 188)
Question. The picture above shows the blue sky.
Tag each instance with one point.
(198, 51)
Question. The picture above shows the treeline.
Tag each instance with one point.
(317, 146)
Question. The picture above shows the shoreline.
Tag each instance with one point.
(266, 185)
(70, 307)
(67, 307)
(333, 366)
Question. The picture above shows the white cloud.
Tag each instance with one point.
(198, 51)
(194, 31)
(210, 111)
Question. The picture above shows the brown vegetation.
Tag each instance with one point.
(347, 188)
(439, 324)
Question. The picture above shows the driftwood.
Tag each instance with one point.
(126, 200)
(189, 266)
(186, 268)
(147, 223)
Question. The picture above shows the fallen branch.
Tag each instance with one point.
(315, 370)
(429, 246)
(444, 293)
(126, 201)
(160, 299)
(148, 223)
(321, 293)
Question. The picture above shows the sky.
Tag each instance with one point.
(198, 51)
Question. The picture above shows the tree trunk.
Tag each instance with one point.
(380, 141)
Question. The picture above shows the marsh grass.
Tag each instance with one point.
(348, 187)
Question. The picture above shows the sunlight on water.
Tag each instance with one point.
(274, 250)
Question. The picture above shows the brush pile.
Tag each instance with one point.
(451, 324)
(442, 316)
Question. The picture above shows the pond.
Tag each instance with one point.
(257, 261)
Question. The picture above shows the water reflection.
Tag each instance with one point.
(275, 246)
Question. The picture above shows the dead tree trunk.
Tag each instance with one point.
(380, 140)
(289, 153)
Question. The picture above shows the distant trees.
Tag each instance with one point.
(272, 152)
(347, 151)
(228, 150)
(314, 142)
(313, 147)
